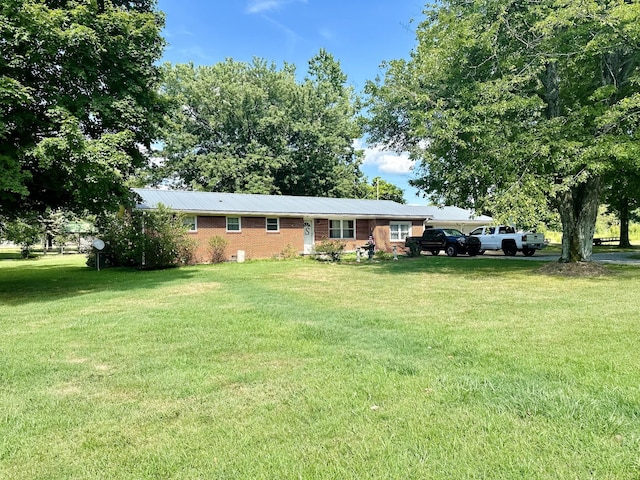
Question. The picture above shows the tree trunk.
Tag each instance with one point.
(578, 207)
(578, 204)
(623, 214)
(552, 90)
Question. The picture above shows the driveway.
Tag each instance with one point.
(620, 258)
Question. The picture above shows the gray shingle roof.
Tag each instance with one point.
(250, 204)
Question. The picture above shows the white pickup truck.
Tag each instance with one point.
(505, 238)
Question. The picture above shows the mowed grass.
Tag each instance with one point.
(429, 368)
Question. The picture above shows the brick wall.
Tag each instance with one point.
(253, 237)
(364, 227)
(257, 242)
(417, 227)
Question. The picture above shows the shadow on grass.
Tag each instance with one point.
(495, 265)
(16, 256)
(468, 266)
(32, 281)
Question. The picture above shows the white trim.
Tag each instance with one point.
(226, 220)
(316, 216)
(309, 235)
(266, 224)
(195, 223)
(400, 232)
(342, 229)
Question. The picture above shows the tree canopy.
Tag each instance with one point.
(380, 189)
(622, 196)
(511, 104)
(78, 101)
(250, 127)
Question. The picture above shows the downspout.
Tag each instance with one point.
(143, 242)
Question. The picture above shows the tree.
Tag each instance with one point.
(511, 103)
(24, 232)
(78, 97)
(622, 196)
(380, 189)
(238, 127)
(54, 225)
(145, 239)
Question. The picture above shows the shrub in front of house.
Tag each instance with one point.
(217, 249)
(329, 250)
(289, 252)
(413, 248)
(187, 251)
(145, 240)
(383, 256)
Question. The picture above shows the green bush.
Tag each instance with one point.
(24, 232)
(382, 255)
(217, 248)
(186, 251)
(413, 248)
(289, 252)
(329, 250)
(146, 240)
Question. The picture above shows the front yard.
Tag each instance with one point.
(421, 368)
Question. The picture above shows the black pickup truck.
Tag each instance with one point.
(450, 240)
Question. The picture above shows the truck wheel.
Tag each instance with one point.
(528, 252)
(452, 250)
(435, 252)
(509, 248)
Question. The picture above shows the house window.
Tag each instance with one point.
(342, 229)
(399, 231)
(233, 224)
(273, 224)
(191, 222)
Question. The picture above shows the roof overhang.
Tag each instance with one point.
(248, 205)
(316, 215)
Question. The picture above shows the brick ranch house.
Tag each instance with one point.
(264, 226)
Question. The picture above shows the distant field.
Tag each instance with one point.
(428, 368)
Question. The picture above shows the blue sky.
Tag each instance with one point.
(360, 34)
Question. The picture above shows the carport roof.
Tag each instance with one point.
(448, 214)
(281, 205)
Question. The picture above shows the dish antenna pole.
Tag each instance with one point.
(99, 246)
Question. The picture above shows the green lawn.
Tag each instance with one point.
(428, 368)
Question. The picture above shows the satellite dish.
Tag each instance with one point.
(98, 244)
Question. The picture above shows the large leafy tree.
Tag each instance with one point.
(78, 101)
(24, 232)
(380, 189)
(622, 196)
(249, 127)
(511, 104)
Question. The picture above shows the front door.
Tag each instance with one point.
(309, 236)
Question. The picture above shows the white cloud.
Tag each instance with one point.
(197, 53)
(261, 6)
(386, 161)
(293, 36)
(327, 34)
(264, 7)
